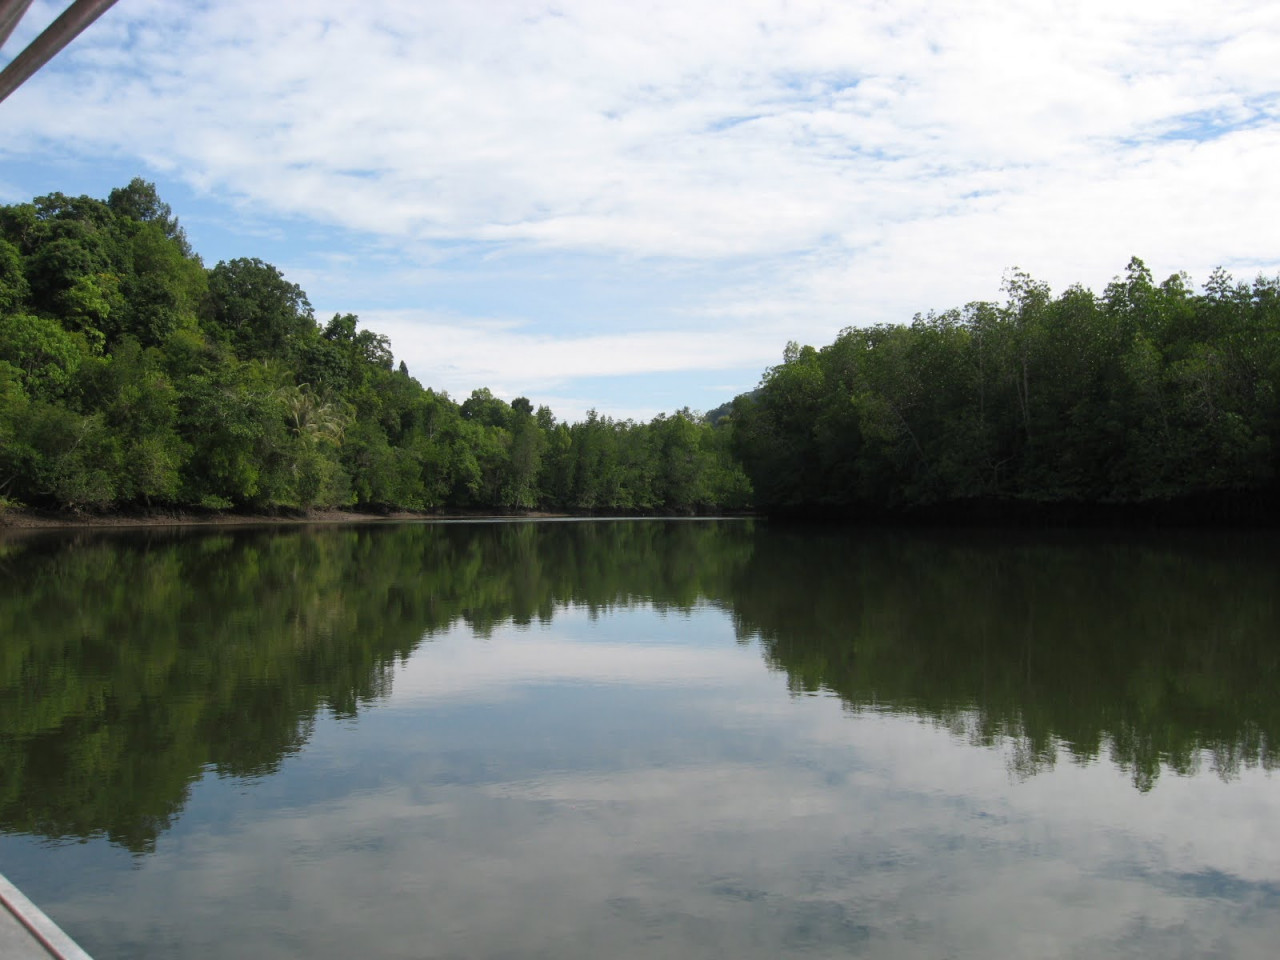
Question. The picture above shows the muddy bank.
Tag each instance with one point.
(25, 518)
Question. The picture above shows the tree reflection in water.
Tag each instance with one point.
(132, 664)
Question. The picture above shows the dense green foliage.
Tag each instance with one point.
(1148, 393)
(186, 652)
(131, 375)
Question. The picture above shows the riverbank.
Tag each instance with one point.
(1225, 509)
(26, 518)
(18, 518)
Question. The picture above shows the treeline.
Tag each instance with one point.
(1150, 394)
(132, 375)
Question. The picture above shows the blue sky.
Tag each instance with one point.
(633, 206)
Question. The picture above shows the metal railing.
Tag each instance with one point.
(43, 48)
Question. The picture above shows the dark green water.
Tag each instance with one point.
(643, 739)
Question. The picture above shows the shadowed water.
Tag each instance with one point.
(643, 739)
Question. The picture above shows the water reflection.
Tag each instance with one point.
(130, 665)
(559, 740)
(1152, 649)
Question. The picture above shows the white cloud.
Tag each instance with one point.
(612, 125)
(461, 668)
(874, 159)
(458, 354)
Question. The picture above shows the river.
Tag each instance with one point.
(641, 738)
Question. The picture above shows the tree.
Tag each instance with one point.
(484, 408)
(139, 201)
(524, 458)
(13, 282)
(163, 288)
(42, 351)
(259, 313)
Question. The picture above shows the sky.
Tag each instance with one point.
(633, 206)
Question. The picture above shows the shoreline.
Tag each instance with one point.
(18, 519)
(1258, 509)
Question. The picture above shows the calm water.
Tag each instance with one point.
(643, 739)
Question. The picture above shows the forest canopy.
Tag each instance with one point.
(132, 376)
(1149, 394)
